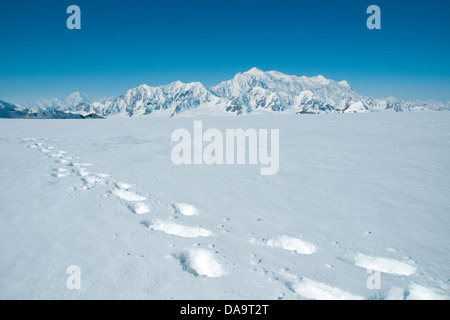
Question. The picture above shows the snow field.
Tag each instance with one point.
(201, 262)
(292, 256)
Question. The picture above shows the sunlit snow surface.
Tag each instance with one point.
(353, 192)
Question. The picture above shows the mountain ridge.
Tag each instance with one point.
(246, 92)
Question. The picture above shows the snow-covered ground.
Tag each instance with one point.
(353, 192)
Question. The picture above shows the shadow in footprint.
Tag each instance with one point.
(146, 223)
(183, 259)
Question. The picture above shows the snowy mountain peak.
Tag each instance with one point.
(142, 87)
(344, 84)
(254, 71)
(76, 98)
(177, 83)
(321, 80)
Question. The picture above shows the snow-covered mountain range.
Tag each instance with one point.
(11, 111)
(58, 104)
(248, 92)
(169, 99)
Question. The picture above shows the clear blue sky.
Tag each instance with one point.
(123, 44)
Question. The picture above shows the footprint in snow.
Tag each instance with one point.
(185, 209)
(200, 263)
(59, 173)
(74, 164)
(92, 179)
(128, 195)
(139, 208)
(415, 292)
(123, 192)
(82, 172)
(123, 185)
(384, 265)
(287, 243)
(176, 229)
(314, 290)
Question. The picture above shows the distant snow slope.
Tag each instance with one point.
(41, 105)
(11, 111)
(8, 110)
(357, 196)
